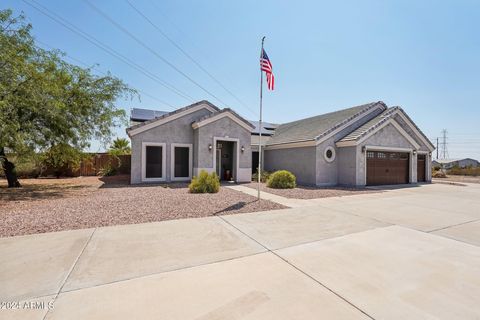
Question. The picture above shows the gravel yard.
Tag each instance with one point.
(303, 192)
(46, 205)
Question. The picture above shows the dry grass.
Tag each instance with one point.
(46, 205)
(305, 192)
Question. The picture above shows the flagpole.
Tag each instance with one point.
(260, 127)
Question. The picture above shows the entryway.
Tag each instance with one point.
(225, 160)
(421, 167)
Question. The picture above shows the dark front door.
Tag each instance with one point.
(421, 167)
(387, 168)
(254, 161)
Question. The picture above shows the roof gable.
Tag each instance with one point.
(320, 126)
(147, 125)
(227, 112)
(379, 121)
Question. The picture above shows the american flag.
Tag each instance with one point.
(266, 65)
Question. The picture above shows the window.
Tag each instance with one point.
(154, 165)
(381, 155)
(370, 154)
(153, 161)
(329, 154)
(181, 161)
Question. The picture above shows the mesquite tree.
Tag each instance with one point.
(45, 101)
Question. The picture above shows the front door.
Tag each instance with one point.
(421, 167)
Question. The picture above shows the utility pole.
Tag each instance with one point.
(437, 148)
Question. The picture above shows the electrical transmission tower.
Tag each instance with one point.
(443, 145)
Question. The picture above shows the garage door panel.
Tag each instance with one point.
(387, 168)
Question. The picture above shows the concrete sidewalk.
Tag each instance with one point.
(408, 253)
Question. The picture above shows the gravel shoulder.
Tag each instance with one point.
(454, 178)
(304, 192)
(44, 205)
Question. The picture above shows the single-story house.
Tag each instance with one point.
(369, 144)
(450, 163)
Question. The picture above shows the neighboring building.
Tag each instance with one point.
(450, 163)
(364, 145)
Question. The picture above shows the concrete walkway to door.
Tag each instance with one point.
(403, 254)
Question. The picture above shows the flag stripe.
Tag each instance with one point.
(266, 65)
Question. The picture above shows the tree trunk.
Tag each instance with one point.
(9, 169)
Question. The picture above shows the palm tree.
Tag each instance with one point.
(120, 146)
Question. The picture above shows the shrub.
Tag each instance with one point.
(439, 174)
(63, 159)
(205, 183)
(282, 179)
(107, 171)
(263, 178)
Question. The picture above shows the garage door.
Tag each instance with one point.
(387, 167)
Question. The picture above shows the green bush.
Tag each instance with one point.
(263, 178)
(205, 183)
(107, 171)
(62, 159)
(282, 179)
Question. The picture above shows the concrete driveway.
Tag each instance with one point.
(409, 253)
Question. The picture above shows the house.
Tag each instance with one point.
(369, 144)
(450, 163)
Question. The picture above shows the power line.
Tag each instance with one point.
(176, 45)
(55, 17)
(140, 42)
(106, 74)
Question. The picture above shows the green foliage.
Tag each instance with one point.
(46, 102)
(281, 179)
(263, 178)
(63, 159)
(205, 183)
(27, 166)
(108, 170)
(120, 146)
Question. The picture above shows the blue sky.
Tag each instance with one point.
(326, 55)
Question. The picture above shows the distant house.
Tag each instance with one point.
(450, 163)
(369, 144)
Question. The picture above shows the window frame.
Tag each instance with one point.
(332, 149)
(172, 161)
(144, 161)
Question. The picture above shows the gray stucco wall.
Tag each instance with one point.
(299, 161)
(327, 173)
(176, 131)
(223, 128)
(347, 166)
(403, 124)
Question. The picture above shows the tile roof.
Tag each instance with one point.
(315, 127)
(370, 125)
